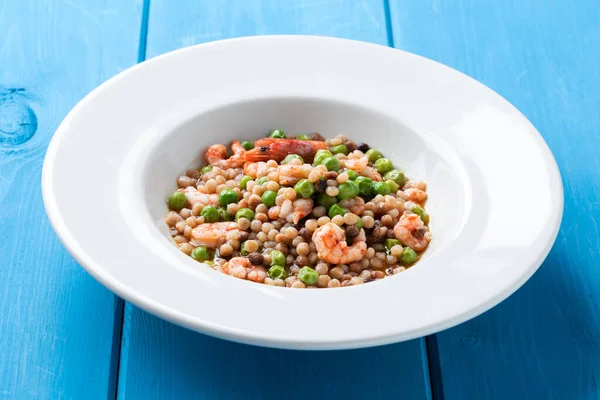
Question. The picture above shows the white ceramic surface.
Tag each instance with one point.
(494, 188)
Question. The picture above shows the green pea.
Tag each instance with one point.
(389, 243)
(277, 272)
(348, 190)
(325, 200)
(227, 196)
(396, 176)
(381, 188)
(244, 213)
(408, 256)
(210, 214)
(332, 164)
(352, 175)
(303, 137)
(201, 253)
(177, 201)
(277, 258)
(308, 276)
(262, 180)
(244, 181)
(291, 157)
(205, 169)
(359, 224)
(243, 250)
(383, 165)
(247, 145)
(321, 155)
(268, 198)
(278, 134)
(374, 155)
(393, 185)
(304, 188)
(421, 213)
(224, 215)
(365, 185)
(340, 148)
(336, 209)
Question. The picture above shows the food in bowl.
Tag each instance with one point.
(300, 212)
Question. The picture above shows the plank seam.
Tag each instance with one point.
(144, 31)
(115, 354)
(388, 23)
(434, 366)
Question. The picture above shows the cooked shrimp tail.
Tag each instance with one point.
(214, 234)
(278, 149)
(330, 242)
(242, 268)
(412, 232)
(216, 155)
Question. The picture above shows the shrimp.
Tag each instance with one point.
(215, 155)
(330, 241)
(415, 184)
(415, 195)
(194, 196)
(236, 267)
(290, 174)
(361, 166)
(258, 169)
(412, 232)
(214, 234)
(241, 267)
(296, 210)
(278, 149)
(355, 205)
(257, 274)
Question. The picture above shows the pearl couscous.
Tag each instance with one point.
(300, 212)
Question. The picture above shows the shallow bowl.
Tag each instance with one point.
(495, 193)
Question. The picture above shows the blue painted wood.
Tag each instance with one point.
(542, 55)
(161, 360)
(56, 323)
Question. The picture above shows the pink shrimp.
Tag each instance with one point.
(290, 174)
(415, 184)
(330, 241)
(415, 195)
(214, 234)
(259, 169)
(278, 149)
(215, 155)
(236, 267)
(412, 232)
(361, 166)
(355, 205)
(194, 196)
(294, 211)
(242, 268)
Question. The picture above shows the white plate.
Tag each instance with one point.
(495, 191)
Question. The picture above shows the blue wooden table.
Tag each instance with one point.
(63, 335)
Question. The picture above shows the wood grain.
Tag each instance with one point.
(56, 323)
(161, 360)
(542, 55)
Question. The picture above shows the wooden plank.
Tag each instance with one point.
(56, 322)
(542, 56)
(161, 360)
